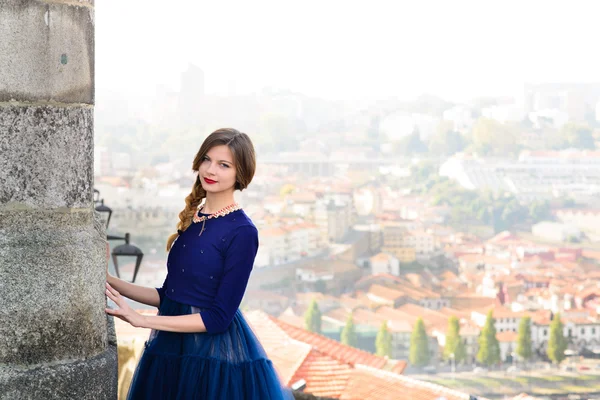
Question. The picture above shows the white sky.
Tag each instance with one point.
(344, 49)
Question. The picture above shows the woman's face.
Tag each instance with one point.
(217, 172)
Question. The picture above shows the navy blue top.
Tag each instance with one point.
(211, 271)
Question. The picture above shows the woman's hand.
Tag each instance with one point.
(124, 312)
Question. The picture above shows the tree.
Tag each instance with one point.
(383, 342)
(349, 333)
(539, 210)
(454, 343)
(412, 143)
(312, 317)
(558, 342)
(446, 140)
(491, 137)
(320, 286)
(419, 345)
(489, 348)
(578, 136)
(524, 347)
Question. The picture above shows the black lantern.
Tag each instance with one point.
(127, 250)
(96, 196)
(104, 211)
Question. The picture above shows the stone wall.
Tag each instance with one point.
(54, 337)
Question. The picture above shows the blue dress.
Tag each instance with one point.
(207, 275)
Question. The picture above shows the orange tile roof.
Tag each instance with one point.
(449, 275)
(381, 257)
(329, 372)
(330, 347)
(378, 277)
(324, 375)
(307, 297)
(287, 354)
(366, 383)
(482, 258)
(507, 336)
(385, 293)
(293, 320)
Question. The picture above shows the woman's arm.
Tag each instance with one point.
(180, 323)
(215, 319)
(141, 294)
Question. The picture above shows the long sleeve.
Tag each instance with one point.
(239, 260)
(161, 290)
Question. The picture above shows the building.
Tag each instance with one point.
(538, 175)
(586, 220)
(393, 242)
(555, 231)
(385, 263)
(422, 241)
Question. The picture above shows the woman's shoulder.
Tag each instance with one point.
(240, 222)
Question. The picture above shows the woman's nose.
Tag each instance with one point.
(211, 169)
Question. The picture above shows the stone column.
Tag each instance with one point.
(55, 342)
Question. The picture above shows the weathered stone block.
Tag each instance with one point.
(52, 285)
(47, 51)
(46, 157)
(91, 379)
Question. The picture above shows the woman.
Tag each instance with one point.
(200, 346)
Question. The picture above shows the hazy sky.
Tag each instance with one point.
(344, 49)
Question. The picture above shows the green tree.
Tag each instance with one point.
(578, 136)
(489, 348)
(383, 342)
(422, 171)
(312, 317)
(492, 137)
(524, 346)
(419, 345)
(412, 143)
(454, 343)
(557, 344)
(446, 141)
(539, 210)
(320, 286)
(349, 332)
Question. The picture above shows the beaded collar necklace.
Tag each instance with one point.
(222, 212)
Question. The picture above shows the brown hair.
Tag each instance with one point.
(244, 160)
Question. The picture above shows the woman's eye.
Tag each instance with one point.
(225, 165)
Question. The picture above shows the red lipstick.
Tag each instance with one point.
(209, 181)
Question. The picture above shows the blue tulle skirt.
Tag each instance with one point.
(226, 366)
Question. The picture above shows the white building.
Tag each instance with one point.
(555, 231)
(284, 244)
(587, 220)
(505, 319)
(385, 263)
(538, 175)
(420, 240)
